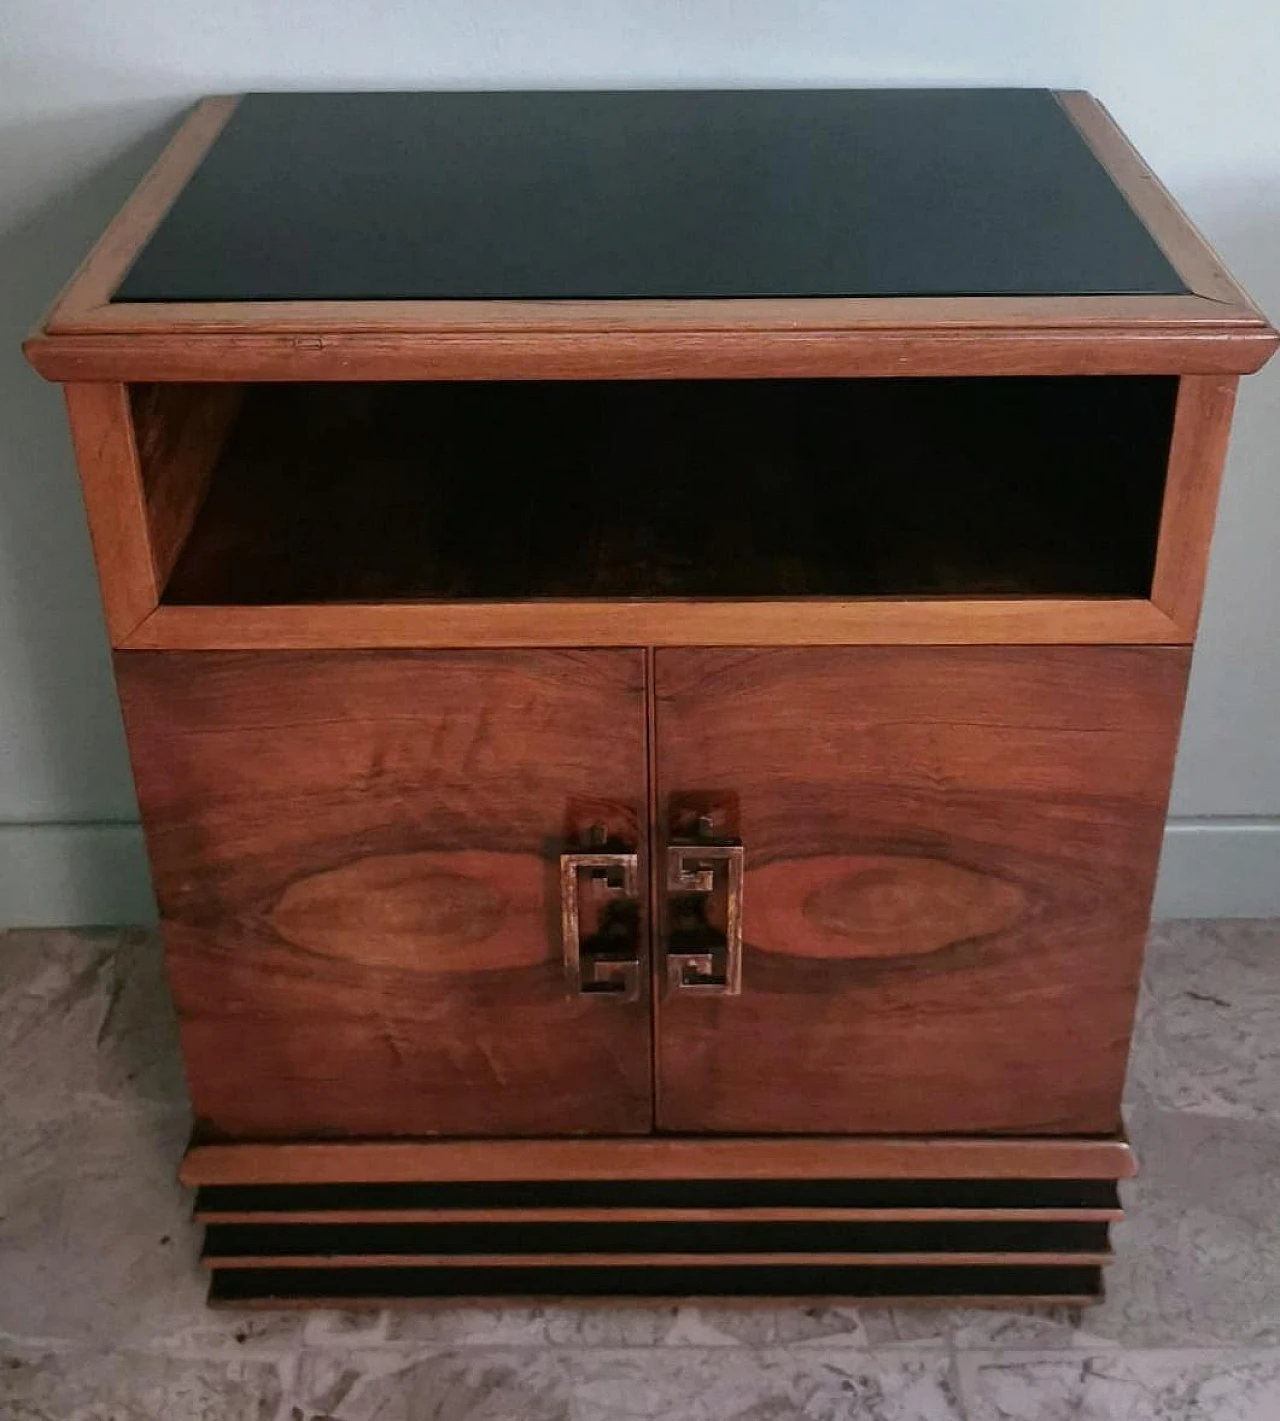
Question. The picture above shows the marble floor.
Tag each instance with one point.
(102, 1318)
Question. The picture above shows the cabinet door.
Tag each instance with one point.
(949, 855)
(357, 859)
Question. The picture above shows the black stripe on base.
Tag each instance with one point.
(283, 1241)
(1029, 1194)
(317, 1286)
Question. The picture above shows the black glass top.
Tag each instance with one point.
(716, 193)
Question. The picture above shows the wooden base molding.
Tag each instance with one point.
(475, 1161)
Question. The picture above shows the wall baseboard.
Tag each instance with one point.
(74, 875)
(1220, 868)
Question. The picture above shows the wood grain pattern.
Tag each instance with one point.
(179, 431)
(436, 903)
(356, 863)
(1036, 779)
(111, 481)
(1202, 426)
(388, 1161)
(890, 906)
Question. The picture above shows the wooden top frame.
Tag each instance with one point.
(1215, 330)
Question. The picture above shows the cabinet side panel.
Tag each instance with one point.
(949, 862)
(356, 857)
(111, 480)
(1202, 426)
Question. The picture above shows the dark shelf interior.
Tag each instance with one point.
(1036, 486)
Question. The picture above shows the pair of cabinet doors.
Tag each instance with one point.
(947, 859)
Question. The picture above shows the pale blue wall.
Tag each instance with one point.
(89, 91)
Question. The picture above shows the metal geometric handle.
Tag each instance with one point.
(607, 961)
(699, 957)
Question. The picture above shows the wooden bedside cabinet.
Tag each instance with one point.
(652, 630)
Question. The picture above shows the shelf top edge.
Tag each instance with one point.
(1040, 621)
(1210, 339)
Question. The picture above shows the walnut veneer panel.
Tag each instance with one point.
(949, 863)
(356, 859)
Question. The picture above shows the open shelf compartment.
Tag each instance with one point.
(716, 489)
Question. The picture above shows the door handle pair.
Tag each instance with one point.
(702, 935)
